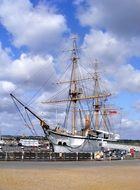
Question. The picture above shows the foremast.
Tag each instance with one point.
(97, 92)
(97, 101)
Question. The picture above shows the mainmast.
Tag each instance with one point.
(73, 92)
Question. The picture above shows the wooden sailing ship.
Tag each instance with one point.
(88, 129)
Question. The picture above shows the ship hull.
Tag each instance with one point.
(73, 143)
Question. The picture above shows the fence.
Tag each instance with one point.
(44, 156)
(51, 156)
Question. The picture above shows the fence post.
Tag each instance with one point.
(6, 156)
(50, 156)
(77, 156)
(91, 156)
(36, 155)
(22, 157)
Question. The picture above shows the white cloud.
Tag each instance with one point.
(89, 17)
(29, 67)
(130, 129)
(128, 78)
(4, 58)
(24, 76)
(6, 86)
(113, 38)
(28, 72)
(119, 17)
(113, 54)
(31, 26)
(105, 46)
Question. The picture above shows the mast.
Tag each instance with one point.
(97, 103)
(73, 86)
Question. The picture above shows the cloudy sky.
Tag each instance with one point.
(33, 35)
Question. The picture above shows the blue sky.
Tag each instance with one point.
(33, 34)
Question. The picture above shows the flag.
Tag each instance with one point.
(113, 112)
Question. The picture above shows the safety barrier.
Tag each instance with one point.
(44, 156)
(52, 156)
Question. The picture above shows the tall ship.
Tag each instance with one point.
(86, 125)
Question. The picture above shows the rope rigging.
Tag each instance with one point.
(31, 122)
(23, 118)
